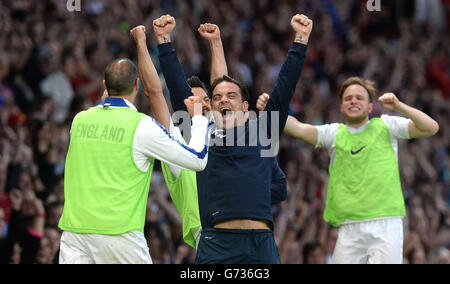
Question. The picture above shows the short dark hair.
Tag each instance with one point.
(120, 77)
(226, 78)
(195, 82)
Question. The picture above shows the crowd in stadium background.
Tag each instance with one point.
(52, 63)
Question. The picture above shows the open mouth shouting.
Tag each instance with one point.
(226, 112)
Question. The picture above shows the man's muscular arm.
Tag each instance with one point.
(290, 72)
(150, 79)
(421, 125)
(170, 65)
(211, 33)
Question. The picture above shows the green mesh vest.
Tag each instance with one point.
(105, 192)
(364, 179)
(183, 191)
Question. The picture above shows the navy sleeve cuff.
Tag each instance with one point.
(299, 47)
(165, 48)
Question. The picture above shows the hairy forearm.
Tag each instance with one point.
(218, 63)
(152, 86)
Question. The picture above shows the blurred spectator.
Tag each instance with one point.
(52, 63)
(440, 256)
(25, 229)
(314, 253)
(56, 84)
(185, 255)
(417, 256)
(3, 226)
(431, 11)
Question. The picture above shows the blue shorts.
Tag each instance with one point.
(229, 246)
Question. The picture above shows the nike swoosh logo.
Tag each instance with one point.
(356, 152)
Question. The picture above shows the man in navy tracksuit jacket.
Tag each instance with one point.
(237, 188)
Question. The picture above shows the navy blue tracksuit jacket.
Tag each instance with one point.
(237, 181)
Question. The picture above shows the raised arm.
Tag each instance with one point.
(156, 141)
(170, 65)
(211, 33)
(421, 125)
(290, 71)
(294, 128)
(150, 79)
(303, 131)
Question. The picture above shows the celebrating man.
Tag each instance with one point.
(364, 192)
(109, 165)
(235, 188)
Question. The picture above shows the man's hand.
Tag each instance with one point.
(210, 32)
(421, 125)
(262, 101)
(389, 102)
(302, 25)
(138, 34)
(194, 105)
(163, 27)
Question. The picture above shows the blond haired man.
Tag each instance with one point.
(364, 196)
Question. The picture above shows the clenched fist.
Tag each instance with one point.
(262, 101)
(209, 31)
(194, 105)
(138, 34)
(163, 27)
(302, 25)
(389, 101)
